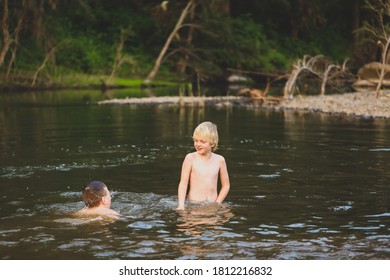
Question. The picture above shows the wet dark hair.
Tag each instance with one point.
(93, 193)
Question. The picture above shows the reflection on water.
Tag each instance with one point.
(196, 219)
(304, 186)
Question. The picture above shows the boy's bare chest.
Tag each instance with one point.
(205, 167)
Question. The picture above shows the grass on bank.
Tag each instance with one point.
(25, 80)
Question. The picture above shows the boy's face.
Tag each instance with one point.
(202, 146)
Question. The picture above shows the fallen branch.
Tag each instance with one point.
(325, 78)
(318, 66)
(306, 64)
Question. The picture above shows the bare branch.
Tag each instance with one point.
(383, 71)
(119, 59)
(178, 26)
(45, 61)
(317, 66)
(15, 42)
(325, 79)
(5, 29)
(382, 9)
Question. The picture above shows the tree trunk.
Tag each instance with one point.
(6, 35)
(18, 28)
(42, 66)
(383, 71)
(179, 24)
(118, 54)
(183, 61)
(355, 24)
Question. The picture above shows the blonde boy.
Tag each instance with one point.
(202, 168)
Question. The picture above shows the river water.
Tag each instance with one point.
(303, 185)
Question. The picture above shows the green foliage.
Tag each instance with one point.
(224, 42)
(257, 51)
(257, 35)
(86, 54)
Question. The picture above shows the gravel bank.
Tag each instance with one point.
(178, 101)
(355, 104)
(365, 104)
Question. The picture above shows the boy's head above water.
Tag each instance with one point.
(207, 131)
(95, 194)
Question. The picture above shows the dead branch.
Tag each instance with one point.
(306, 64)
(317, 66)
(6, 35)
(119, 59)
(184, 58)
(18, 28)
(177, 27)
(382, 9)
(325, 78)
(258, 96)
(42, 66)
(383, 70)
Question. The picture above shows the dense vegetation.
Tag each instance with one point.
(47, 42)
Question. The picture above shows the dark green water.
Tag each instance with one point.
(303, 186)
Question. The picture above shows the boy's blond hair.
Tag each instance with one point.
(207, 131)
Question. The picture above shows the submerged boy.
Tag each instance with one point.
(97, 199)
(202, 168)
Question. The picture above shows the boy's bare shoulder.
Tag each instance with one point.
(103, 212)
(190, 156)
(219, 157)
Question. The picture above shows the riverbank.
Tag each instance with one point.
(365, 104)
(77, 81)
(216, 101)
(361, 104)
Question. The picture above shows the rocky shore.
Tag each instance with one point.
(218, 101)
(359, 104)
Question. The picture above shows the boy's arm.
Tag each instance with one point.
(184, 178)
(225, 182)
